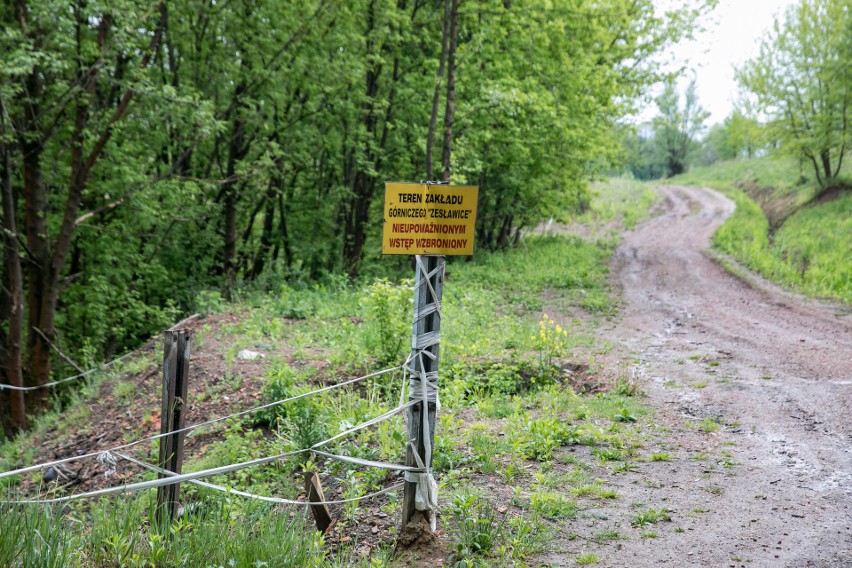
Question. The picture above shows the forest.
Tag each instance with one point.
(157, 153)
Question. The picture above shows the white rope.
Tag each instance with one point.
(423, 389)
(428, 277)
(97, 453)
(261, 497)
(369, 463)
(90, 371)
(68, 379)
(177, 478)
(143, 485)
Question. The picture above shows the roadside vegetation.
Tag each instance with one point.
(779, 230)
(530, 428)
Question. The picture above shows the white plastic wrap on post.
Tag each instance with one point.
(423, 383)
(426, 498)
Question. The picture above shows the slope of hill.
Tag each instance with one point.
(785, 227)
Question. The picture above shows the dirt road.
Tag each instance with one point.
(773, 486)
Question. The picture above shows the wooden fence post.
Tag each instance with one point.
(176, 347)
(427, 326)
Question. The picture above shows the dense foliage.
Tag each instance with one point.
(150, 151)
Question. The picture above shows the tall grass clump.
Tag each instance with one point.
(128, 532)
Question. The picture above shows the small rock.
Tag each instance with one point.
(263, 345)
(246, 355)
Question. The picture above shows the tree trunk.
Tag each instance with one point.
(37, 359)
(235, 154)
(825, 156)
(362, 183)
(436, 97)
(265, 245)
(12, 409)
(451, 90)
(285, 236)
(45, 268)
(817, 171)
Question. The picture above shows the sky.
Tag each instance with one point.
(731, 37)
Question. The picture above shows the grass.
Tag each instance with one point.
(127, 532)
(809, 250)
(649, 517)
(501, 363)
(618, 199)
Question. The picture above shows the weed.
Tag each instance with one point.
(625, 416)
(587, 558)
(387, 309)
(494, 407)
(727, 462)
(124, 391)
(607, 455)
(624, 467)
(661, 457)
(709, 425)
(485, 449)
(209, 302)
(475, 528)
(538, 438)
(649, 517)
(553, 505)
(550, 342)
(512, 472)
(607, 536)
(629, 385)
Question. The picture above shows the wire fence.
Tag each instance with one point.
(422, 390)
(108, 455)
(77, 377)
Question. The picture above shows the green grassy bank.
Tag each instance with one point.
(776, 232)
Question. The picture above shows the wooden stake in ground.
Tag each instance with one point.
(176, 347)
(314, 494)
(424, 365)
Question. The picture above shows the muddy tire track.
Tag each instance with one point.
(773, 369)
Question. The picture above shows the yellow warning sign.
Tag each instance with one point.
(429, 219)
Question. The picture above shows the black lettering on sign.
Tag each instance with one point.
(411, 198)
(444, 199)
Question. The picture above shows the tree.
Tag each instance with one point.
(543, 88)
(802, 82)
(60, 109)
(149, 152)
(676, 127)
(738, 136)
